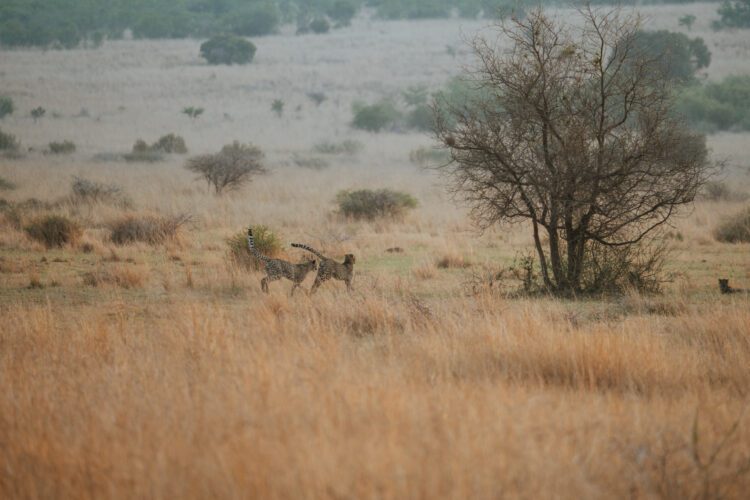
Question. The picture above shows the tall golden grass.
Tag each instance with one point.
(371, 397)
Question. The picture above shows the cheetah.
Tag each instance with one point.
(329, 268)
(277, 268)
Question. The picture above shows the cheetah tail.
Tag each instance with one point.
(311, 250)
(251, 246)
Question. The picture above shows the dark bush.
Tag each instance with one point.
(265, 241)
(54, 231)
(320, 25)
(342, 11)
(62, 148)
(172, 144)
(371, 204)
(151, 229)
(254, 20)
(721, 105)
(8, 142)
(734, 229)
(6, 185)
(375, 117)
(228, 49)
(92, 192)
(681, 56)
(6, 106)
(230, 168)
(734, 14)
(421, 118)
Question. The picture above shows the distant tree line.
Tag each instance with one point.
(71, 23)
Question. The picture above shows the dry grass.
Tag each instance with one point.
(280, 399)
(147, 371)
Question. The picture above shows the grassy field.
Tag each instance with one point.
(163, 371)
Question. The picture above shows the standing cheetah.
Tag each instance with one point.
(277, 268)
(329, 268)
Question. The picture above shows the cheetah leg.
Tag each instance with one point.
(315, 286)
(349, 286)
(294, 287)
(264, 284)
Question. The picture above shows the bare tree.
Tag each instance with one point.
(230, 168)
(572, 129)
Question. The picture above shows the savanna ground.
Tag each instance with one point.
(177, 377)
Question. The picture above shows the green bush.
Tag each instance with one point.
(171, 143)
(228, 49)
(6, 106)
(735, 229)
(721, 105)
(53, 230)
(375, 117)
(371, 204)
(8, 142)
(320, 25)
(62, 148)
(6, 185)
(342, 11)
(414, 9)
(734, 14)
(265, 241)
(421, 118)
(254, 20)
(681, 56)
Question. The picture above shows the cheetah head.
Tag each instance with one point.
(349, 259)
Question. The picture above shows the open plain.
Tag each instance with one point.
(163, 371)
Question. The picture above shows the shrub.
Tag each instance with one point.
(348, 146)
(230, 168)
(254, 20)
(8, 142)
(317, 97)
(734, 14)
(266, 242)
(53, 230)
(342, 11)
(687, 20)
(421, 118)
(277, 106)
(6, 106)
(320, 25)
(719, 105)
(170, 143)
(6, 185)
(147, 156)
(37, 113)
(681, 56)
(310, 162)
(375, 117)
(735, 229)
(62, 148)
(371, 204)
(228, 49)
(151, 229)
(192, 112)
(92, 192)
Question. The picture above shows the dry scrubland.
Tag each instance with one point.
(176, 377)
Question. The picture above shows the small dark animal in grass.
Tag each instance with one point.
(725, 288)
(277, 268)
(329, 268)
